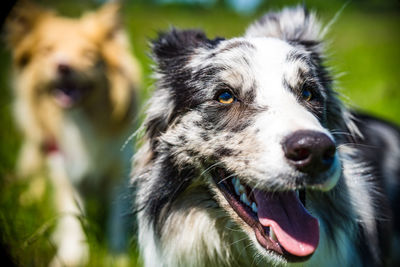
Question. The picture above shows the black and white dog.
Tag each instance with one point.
(250, 159)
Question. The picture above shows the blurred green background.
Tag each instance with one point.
(364, 51)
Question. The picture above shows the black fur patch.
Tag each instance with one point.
(235, 117)
(373, 149)
(172, 49)
(223, 152)
(170, 183)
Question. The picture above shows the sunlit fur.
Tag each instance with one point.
(183, 218)
(77, 142)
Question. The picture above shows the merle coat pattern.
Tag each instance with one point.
(223, 118)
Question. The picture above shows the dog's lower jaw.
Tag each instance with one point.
(201, 229)
(199, 232)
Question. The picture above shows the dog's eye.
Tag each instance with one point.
(23, 60)
(306, 95)
(226, 98)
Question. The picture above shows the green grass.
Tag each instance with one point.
(369, 54)
(364, 45)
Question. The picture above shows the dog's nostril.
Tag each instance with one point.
(299, 154)
(309, 151)
(63, 69)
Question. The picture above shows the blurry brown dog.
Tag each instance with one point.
(74, 84)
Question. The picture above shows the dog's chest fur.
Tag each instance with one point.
(86, 152)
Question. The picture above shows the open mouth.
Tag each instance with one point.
(67, 93)
(279, 219)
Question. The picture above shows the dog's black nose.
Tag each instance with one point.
(309, 151)
(64, 69)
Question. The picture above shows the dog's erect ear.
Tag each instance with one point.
(22, 19)
(104, 22)
(104, 26)
(294, 24)
(109, 17)
(173, 48)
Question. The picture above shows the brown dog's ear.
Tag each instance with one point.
(22, 19)
(109, 17)
(104, 22)
(105, 27)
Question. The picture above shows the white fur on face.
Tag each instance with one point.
(284, 113)
(259, 67)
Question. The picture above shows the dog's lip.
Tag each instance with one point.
(250, 218)
(246, 215)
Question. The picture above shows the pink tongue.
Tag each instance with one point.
(296, 230)
(63, 100)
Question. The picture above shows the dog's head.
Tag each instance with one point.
(72, 61)
(252, 118)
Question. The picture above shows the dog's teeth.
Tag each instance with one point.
(237, 182)
(243, 198)
(272, 234)
(235, 186)
(242, 189)
(254, 207)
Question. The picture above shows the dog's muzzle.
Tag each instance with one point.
(309, 152)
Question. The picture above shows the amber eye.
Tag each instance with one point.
(226, 98)
(306, 95)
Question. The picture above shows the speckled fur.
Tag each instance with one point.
(184, 220)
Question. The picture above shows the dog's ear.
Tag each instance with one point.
(104, 22)
(109, 17)
(172, 49)
(123, 73)
(293, 24)
(105, 27)
(21, 21)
